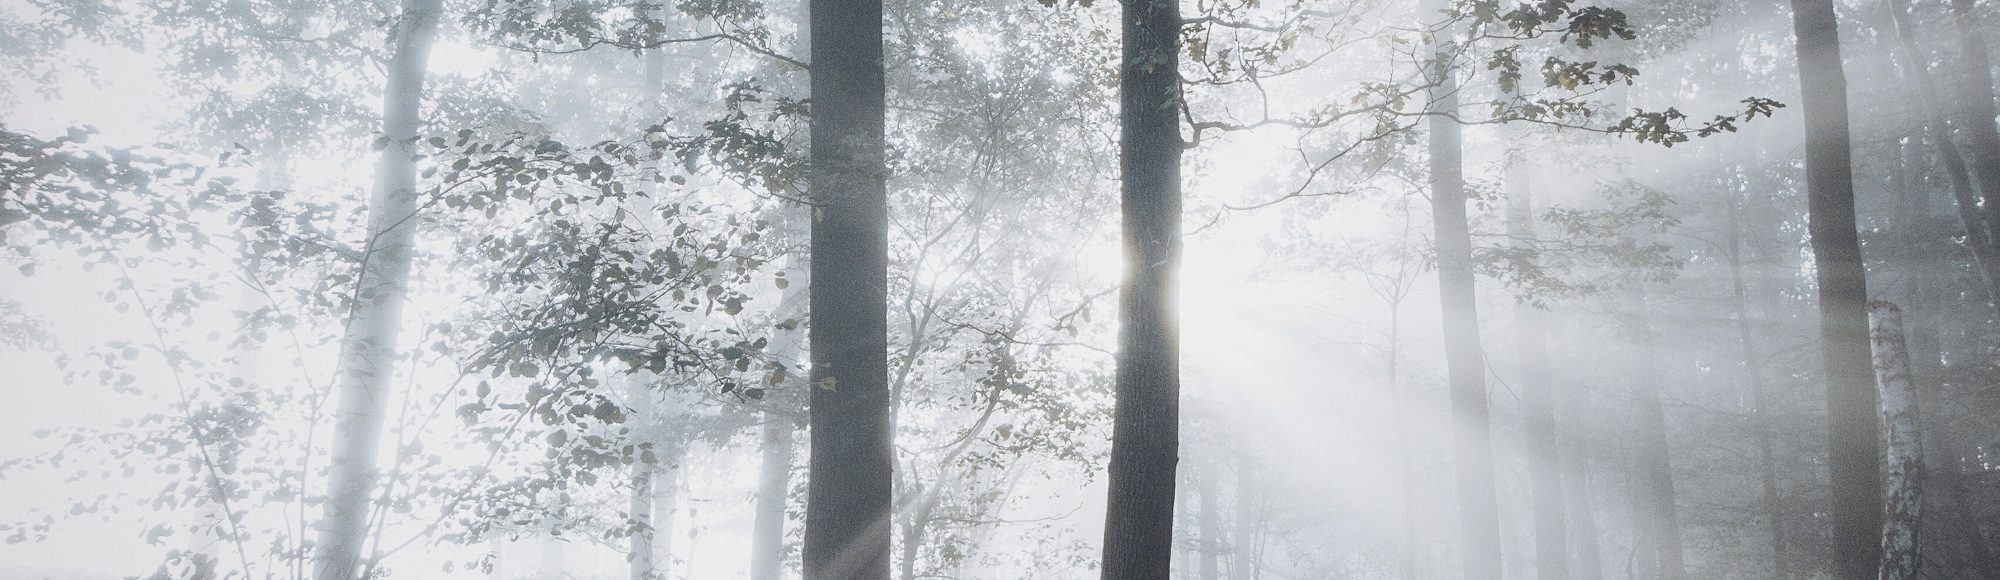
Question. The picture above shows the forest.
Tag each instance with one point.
(999, 289)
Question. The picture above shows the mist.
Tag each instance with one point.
(865, 290)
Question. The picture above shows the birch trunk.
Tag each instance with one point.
(368, 348)
(1902, 507)
(1853, 452)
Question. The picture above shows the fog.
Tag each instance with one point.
(523, 290)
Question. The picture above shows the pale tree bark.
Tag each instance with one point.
(1145, 432)
(850, 469)
(1537, 399)
(1902, 507)
(368, 347)
(1478, 503)
(1853, 452)
(1653, 484)
(671, 451)
(639, 507)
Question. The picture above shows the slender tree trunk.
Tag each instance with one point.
(368, 348)
(554, 564)
(1537, 402)
(1903, 505)
(1853, 452)
(1653, 485)
(1583, 518)
(847, 497)
(1145, 433)
(1977, 110)
(767, 548)
(1478, 505)
(639, 506)
(1211, 522)
(671, 451)
(1979, 230)
(1243, 551)
(640, 559)
(1760, 414)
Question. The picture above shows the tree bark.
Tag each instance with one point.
(1853, 452)
(1478, 506)
(848, 490)
(368, 346)
(639, 508)
(1145, 435)
(1902, 507)
(1537, 402)
(1653, 485)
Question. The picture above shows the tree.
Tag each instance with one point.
(1478, 506)
(1853, 453)
(1145, 435)
(848, 490)
(368, 351)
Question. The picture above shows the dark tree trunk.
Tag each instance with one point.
(368, 348)
(1653, 485)
(1478, 506)
(847, 498)
(1145, 433)
(1854, 455)
(1537, 402)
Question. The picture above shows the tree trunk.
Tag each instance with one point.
(1478, 506)
(1979, 230)
(1853, 452)
(639, 508)
(368, 347)
(1902, 508)
(1583, 518)
(1243, 554)
(1145, 433)
(1537, 402)
(1760, 414)
(1211, 522)
(767, 542)
(671, 451)
(1653, 485)
(1976, 108)
(847, 495)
